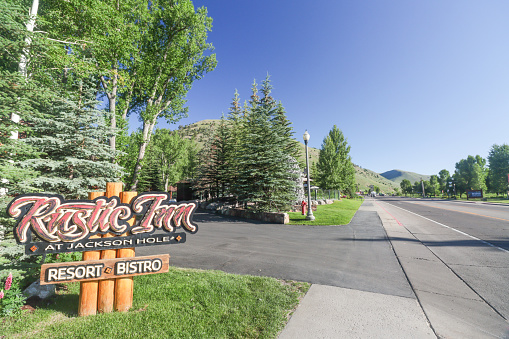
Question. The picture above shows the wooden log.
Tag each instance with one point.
(107, 287)
(124, 286)
(89, 290)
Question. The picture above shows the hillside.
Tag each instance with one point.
(398, 176)
(201, 131)
(365, 177)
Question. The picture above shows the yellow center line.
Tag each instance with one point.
(448, 209)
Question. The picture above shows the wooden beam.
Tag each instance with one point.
(124, 286)
(89, 290)
(107, 287)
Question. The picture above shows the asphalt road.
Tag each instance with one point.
(451, 257)
(357, 256)
(456, 256)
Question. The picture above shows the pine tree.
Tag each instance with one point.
(215, 169)
(23, 96)
(150, 175)
(75, 156)
(265, 177)
(235, 119)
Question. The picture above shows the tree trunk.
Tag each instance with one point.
(22, 66)
(112, 100)
(148, 127)
(113, 139)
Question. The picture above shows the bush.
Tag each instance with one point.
(11, 297)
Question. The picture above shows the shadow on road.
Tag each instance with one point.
(502, 243)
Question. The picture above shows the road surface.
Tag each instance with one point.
(456, 257)
(452, 258)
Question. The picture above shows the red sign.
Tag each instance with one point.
(57, 221)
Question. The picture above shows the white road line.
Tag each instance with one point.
(452, 228)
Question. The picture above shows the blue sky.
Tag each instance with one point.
(413, 85)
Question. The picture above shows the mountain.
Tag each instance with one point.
(365, 178)
(398, 175)
(203, 130)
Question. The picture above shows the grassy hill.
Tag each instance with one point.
(365, 177)
(203, 130)
(397, 176)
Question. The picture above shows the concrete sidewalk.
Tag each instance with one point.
(335, 312)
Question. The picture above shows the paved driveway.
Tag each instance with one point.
(356, 256)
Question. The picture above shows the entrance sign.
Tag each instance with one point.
(474, 194)
(103, 269)
(67, 225)
(107, 228)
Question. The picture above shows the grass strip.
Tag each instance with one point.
(182, 303)
(340, 212)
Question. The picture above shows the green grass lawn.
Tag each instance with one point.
(338, 213)
(182, 303)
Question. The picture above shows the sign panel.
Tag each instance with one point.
(67, 225)
(103, 269)
(474, 194)
(107, 243)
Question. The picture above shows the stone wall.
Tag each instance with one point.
(225, 209)
(273, 218)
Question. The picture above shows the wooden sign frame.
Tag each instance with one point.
(107, 227)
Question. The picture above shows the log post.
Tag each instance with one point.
(124, 286)
(107, 286)
(89, 289)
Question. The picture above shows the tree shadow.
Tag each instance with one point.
(501, 243)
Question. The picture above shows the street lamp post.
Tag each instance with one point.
(310, 215)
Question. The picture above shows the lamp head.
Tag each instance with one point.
(306, 136)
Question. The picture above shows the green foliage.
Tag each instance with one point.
(75, 157)
(470, 174)
(221, 305)
(433, 186)
(128, 149)
(169, 160)
(335, 168)
(338, 213)
(406, 186)
(250, 158)
(498, 159)
(265, 178)
(216, 170)
(11, 297)
(147, 54)
(444, 177)
(19, 95)
(170, 61)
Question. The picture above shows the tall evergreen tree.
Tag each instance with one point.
(22, 97)
(215, 168)
(265, 176)
(335, 168)
(235, 120)
(76, 157)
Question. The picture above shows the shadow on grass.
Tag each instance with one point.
(66, 303)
